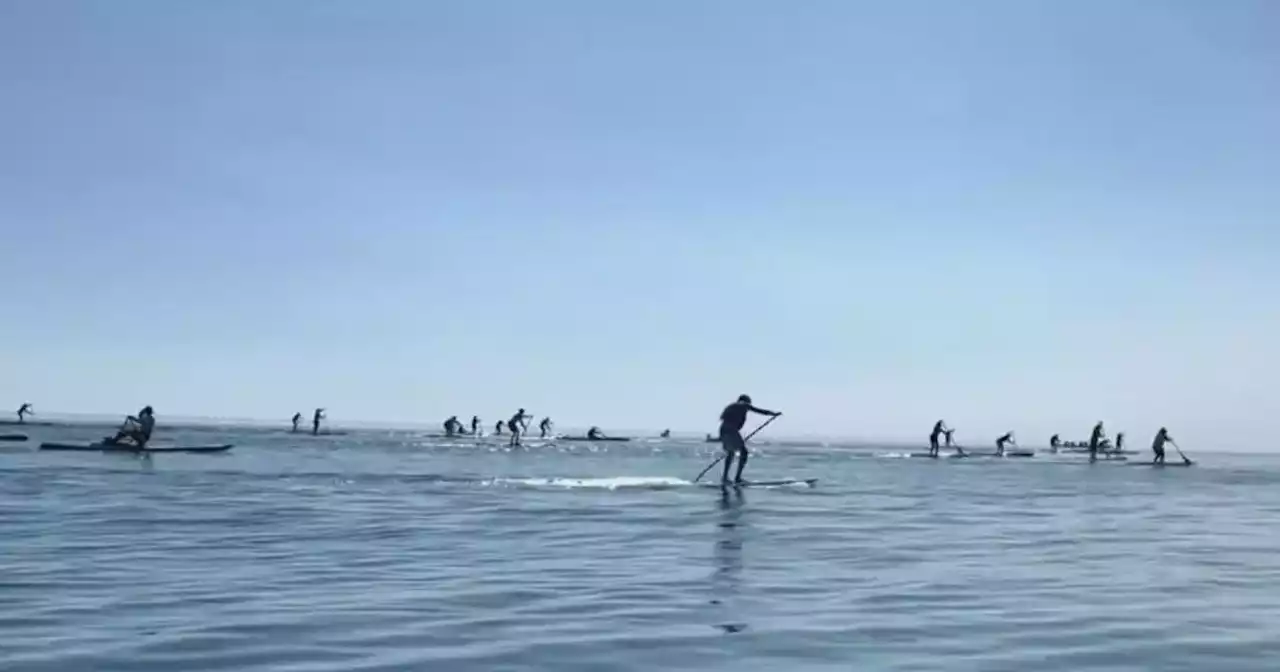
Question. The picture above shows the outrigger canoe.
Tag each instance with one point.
(129, 448)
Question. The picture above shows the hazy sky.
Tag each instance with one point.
(1012, 215)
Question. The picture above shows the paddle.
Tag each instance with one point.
(748, 438)
(1184, 457)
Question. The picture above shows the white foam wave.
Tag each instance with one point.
(608, 483)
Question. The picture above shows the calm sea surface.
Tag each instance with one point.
(395, 551)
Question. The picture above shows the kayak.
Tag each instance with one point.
(126, 448)
(600, 438)
(13, 437)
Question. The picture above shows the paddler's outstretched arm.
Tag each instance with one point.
(761, 411)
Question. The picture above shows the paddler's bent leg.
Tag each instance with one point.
(732, 444)
(742, 462)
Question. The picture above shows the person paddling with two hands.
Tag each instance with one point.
(732, 420)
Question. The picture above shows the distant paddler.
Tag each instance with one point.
(1054, 443)
(297, 417)
(475, 425)
(518, 424)
(452, 426)
(1119, 443)
(544, 427)
(315, 421)
(666, 434)
(595, 434)
(1096, 439)
(136, 428)
(24, 412)
(732, 419)
(949, 433)
(1000, 443)
(939, 428)
(497, 429)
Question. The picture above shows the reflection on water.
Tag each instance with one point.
(726, 578)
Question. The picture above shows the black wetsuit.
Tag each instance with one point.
(1001, 441)
(297, 417)
(315, 421)
(732, 419)
(475, 425)
(516, 424)
(933, 437)
(1094, 439)
(544, 426)
(1157, 446)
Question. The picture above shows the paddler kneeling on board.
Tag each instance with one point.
(137, 429)
(595, 433)
(732, 418)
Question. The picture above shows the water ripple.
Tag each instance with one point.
(394, 552)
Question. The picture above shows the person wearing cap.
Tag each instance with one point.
(732, 419)
(137, 429)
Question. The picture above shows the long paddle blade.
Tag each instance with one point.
(1181, 454)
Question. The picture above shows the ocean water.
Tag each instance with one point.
(396, 551)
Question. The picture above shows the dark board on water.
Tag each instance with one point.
(126, 448)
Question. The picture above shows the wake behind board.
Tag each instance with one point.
(126, 448)
(810, 482)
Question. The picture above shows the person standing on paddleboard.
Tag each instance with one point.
(948, 434)
(315, 421)
(939, 428)
(1007, 438)
(1119, 443)
(1054, 442)
(24, 411)
(544, 426)
(1157, 446)
(732, 418)
(518, 425)
(297, 417)
(1095, 439)
(475, 425)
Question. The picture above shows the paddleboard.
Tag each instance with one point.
(1159, 465)
(13, 437)
(597, 439)
(811, 482)
(125, 448)
(15, 423)
(954, 456)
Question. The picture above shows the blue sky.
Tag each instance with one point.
(1011, 215)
